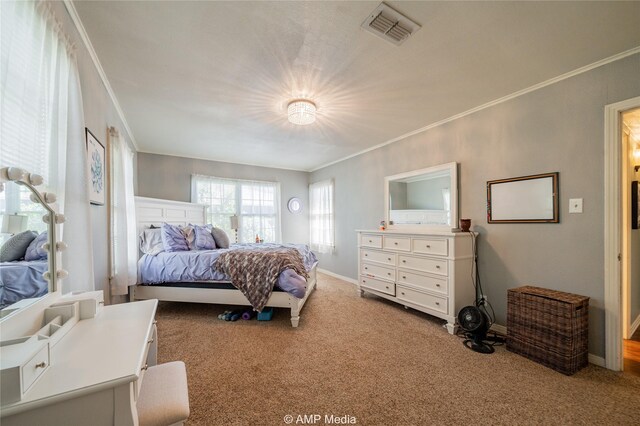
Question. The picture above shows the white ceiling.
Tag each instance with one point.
(212, 79)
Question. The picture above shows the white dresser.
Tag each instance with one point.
(428, 272)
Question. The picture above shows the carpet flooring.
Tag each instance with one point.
(374, 361)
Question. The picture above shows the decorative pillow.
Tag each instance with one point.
(204, 238)
(150, 241)
(189, 235)
(221, 238)
(16, 246)
(35, 250)
(172, 238)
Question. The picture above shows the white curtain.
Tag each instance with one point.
(123, 216)
(321, 217)
(42, 123)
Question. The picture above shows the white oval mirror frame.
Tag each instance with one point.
(295, 205)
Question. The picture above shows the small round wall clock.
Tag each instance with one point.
(295, 205)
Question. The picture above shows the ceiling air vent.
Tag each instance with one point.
(390, 25)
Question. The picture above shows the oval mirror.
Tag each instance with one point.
(295, 205)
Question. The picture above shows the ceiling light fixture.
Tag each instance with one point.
(301, 112)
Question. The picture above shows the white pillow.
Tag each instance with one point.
(151, 241)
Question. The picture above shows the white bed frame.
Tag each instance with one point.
(151, 211)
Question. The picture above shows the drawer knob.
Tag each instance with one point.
(388, 273)
(404, 277)
(364, 281)
(437, 266)
(437, 285)
(388, 258)
(402, 292)
(366, 255)
(395, 243)
(155, 322)
(150, 342)
(145, 367)
(428, 246)
(404, 261)
(438, 303)
(366, 267)
(41, 365)
(370, 241)
(387, 287)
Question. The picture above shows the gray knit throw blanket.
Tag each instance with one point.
(255, 272)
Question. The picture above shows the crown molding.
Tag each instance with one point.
(73, 13)
(492, 103)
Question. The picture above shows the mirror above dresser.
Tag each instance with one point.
(423, 200)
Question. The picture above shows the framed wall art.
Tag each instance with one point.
(526, 199)
(95, 169)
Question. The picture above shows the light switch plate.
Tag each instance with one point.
(575, 205)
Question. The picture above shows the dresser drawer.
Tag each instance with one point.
(381, 286)
(430, 246)
(434, 266)
(35, 367)
(371, 240)
(397, 243)
(371, 270)
(378, 257)
(425, 300)
(426, 282)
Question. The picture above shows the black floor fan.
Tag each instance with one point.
(476, 324)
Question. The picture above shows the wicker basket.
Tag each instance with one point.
(549, 327)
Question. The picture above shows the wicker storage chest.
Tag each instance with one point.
(549, 327)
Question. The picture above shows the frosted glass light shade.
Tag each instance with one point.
(301, 112)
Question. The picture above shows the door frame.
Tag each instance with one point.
(613, 230)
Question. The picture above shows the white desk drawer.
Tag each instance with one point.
(397, 243)
(378, 257)
(430, 246)
(381, 286)
(434, 266)
(35, 367)
(426, 300)
(371, 240)
(426, 282)
(376, 271)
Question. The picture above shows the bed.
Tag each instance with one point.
(178, 284)
(22, 280)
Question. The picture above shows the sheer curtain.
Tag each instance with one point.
(42, 122)
(123, 216)
(321, 217)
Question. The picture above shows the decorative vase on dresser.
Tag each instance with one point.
(429, 272)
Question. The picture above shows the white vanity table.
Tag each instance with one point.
(95, 370)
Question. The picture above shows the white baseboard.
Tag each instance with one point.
(634, 326)
(593, 359)
(340, 277)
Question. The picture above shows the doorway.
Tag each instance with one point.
(630, 253)
(619, 174)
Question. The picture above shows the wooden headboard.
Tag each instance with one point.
(153, 211)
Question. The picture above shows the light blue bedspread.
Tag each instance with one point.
(199, 265)
(21, 280)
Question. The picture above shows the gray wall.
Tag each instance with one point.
(169, 178)
(99, 115)
(556, 128)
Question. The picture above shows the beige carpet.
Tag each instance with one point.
(376, 361)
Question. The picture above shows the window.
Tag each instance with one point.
(321, 217)
(257, 205)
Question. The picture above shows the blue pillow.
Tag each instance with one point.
(16, 246)
(172, 238)
(204, 239)
(35, 250)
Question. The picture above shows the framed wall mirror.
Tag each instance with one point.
(526, 199)
(25, 239)
(423, 200)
